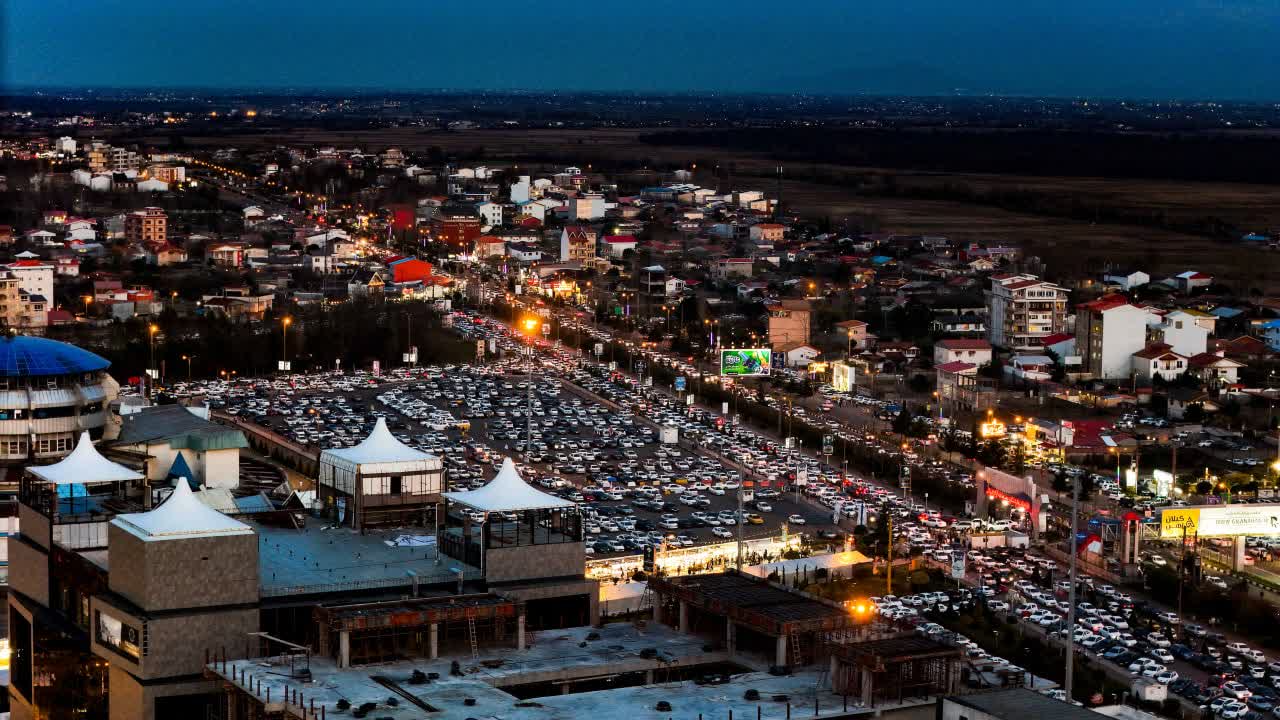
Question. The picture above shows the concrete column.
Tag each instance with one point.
(344, 648)
(866, 687)
(730, 636)
(433, 641)
(831, 676)
(780, 651)
(520, 632)
(684, 616)
(1237, 554)
(323, 633)
(657, 610)
(648, 677)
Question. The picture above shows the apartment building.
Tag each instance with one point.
(1108, 332)
(577, 242)
(149, 225)
(1023, 310)
(789, 322)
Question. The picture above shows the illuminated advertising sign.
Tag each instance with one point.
(751, 362)
(1220, 521)
(992, 429)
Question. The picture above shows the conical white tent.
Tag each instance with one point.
(381, 448)
(508, 492)
(182, 516)
(84, 465)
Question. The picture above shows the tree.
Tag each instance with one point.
(1194, 413)
(902, 423)
(919, 383)
(1204, 487)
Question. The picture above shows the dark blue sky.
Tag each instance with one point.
(1138, 48)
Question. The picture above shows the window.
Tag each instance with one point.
(395, 485)
(118, 636)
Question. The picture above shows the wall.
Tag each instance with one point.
(534, 561)
(181, 574)
(29, 571)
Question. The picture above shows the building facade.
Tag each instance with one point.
(1023, 310)
(149, 225)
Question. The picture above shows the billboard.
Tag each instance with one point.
(1220, 521)
(750, 362)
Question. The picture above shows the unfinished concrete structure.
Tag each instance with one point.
(749, 614)
(889, 670)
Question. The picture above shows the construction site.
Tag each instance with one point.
(719, 646)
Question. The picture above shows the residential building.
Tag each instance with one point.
(1023, 309)
(799, 355)
(975, 352)
(616, 246)
(1192, 280)
(490, 213)
(1215, 369)
(589, 206)
(732, 268)
(1126, 279)
(855, 334)
(1108, 332)
(577, 242)
(652, 285)
(149, 225)
(35, 277)
(1187, 331)
(1159, 361)
(789, 322)
(456, 227)
(767, 233)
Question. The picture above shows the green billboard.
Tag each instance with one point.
(748, 362)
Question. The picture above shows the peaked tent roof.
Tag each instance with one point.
(180, 469)
(181, 517)
(380, 447)
(508, 492)
(84, 464)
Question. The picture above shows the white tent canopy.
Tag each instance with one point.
(84, 465)
(181, 517)
(508, 492)
(381, 448)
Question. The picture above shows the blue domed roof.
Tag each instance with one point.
(26, 356)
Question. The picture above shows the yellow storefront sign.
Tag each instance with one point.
(1176, 521)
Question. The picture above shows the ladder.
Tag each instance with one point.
(795, 650)
(646, 600)
(471, 630)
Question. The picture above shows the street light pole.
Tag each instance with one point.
(1071, 592)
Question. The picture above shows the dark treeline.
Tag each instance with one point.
(1215, 157)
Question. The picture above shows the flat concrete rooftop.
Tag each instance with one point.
(755, 594)
(555, 655)
(319, 559)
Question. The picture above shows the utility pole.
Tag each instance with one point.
(739, 523)
(1071, 592)
(888, 566)
(1182, 569)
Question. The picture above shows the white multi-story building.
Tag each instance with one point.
(1023, 310)
(1187, 332)
(1108, 332)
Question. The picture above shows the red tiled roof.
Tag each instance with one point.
(955, 367)
(1106, 302)
(1056, 338)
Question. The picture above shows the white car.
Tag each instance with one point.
(721, 532)
(795, 519)
(1236, 690)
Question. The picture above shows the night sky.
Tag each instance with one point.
(1227, 49)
